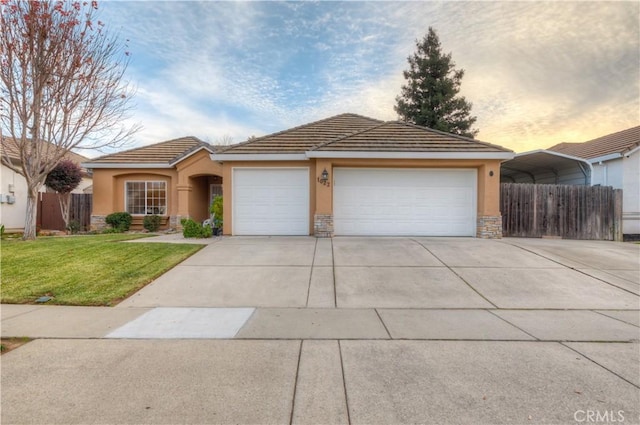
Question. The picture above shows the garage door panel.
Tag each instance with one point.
(271, 201)
(404, 202)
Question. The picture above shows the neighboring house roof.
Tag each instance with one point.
(9, 148)
(396, 136)
(162, 155)
(305, 137)
(616, 144)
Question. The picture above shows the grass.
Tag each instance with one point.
(84, 270)
(8, 344)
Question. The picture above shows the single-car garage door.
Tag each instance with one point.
(404, 202)
(270, 201)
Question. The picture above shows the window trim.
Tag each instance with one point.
(166, 196)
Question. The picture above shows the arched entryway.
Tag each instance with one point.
(203, 190)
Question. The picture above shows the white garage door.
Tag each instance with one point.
(404, 202)
(270, 201)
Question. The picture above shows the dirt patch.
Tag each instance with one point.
(8, 344)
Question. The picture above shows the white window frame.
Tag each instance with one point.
(211, 187)
(146, 207)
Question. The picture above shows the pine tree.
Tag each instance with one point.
(430, 96)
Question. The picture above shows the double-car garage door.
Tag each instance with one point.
(366, 201)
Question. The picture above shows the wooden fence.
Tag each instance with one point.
(570, 212)
(50, 217)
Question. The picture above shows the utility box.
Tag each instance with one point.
(3, 198)
(10, 199)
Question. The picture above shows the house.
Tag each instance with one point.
(611, 160)
(13, 187)
(344, 175)
(174, 179)
(615, 159)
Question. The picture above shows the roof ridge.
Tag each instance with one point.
(623, 139)
(457, 136)
(337, 139)
(612, 134)
(419, 127)
(11, 141)
(297, 128)
(201, 144)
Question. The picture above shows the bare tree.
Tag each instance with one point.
(61, 82)
(224, 140)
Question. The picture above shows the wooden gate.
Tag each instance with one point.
(567, 211)
(50, 217)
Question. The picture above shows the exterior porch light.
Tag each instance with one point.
(324, 177)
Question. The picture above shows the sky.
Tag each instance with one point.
(537, 73)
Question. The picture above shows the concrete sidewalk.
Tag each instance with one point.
(316, 323)
(317, 382)
(345, 331)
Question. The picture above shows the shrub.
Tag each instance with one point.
(121, 221)
(192, 229)
(216, 208)
(151, 222)
(73, 227)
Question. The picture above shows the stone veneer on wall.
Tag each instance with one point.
(489, 227)
(174, 222)
(323, 225)
(98, 222)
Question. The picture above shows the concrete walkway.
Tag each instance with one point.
(345, 330)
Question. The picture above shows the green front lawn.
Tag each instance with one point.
(84, 270)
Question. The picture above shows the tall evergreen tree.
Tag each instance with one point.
(430, 96)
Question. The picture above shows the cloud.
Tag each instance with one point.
(536, 72)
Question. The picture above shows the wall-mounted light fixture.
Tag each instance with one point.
(324, 178)
(491, 173)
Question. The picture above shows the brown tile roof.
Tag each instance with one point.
(619, 142)
(164, 152)
(9, 148)
(396, 136)
(351, 132)
(305, 137)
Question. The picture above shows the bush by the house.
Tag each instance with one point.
(121, 221)
(151, 222)
(192, 229)
(217, 210)
(73, 227)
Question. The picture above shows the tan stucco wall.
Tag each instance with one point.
(108, 187)
(321, 196)
(187, 186)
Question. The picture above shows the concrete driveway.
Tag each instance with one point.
(346, 330)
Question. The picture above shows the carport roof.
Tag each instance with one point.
(547, 167)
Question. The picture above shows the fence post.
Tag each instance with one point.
(617, 215)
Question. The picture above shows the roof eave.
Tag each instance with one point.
(221, 157)
(604, 158)
(94, 165)
(554, 153)
(410, 155)
(632, 151)
(195, 151)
